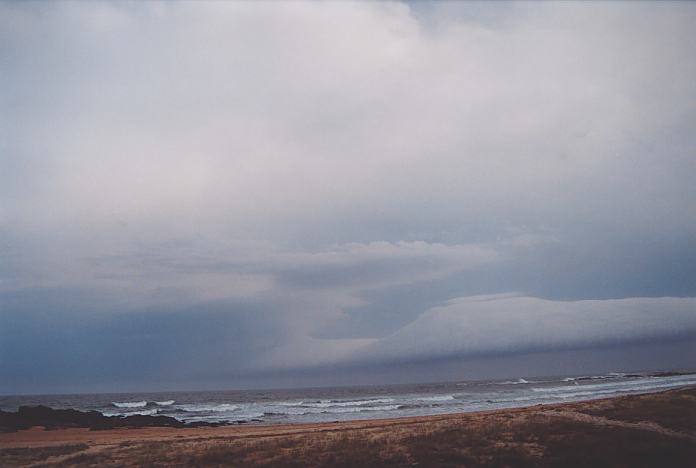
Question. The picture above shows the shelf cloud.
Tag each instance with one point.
(313, 186)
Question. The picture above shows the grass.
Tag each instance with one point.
(513, 439)
(534, 441)
(25, 456)
(676, 413)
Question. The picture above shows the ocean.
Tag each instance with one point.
(359, 402)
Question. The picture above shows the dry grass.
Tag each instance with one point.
(24, 456)
(533, 441)
(533, 437)
(678, 412)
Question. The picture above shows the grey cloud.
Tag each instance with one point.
(460, 129)
(512, 324)
(343, 167)
(215, 270)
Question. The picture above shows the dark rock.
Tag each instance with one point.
(30, 416)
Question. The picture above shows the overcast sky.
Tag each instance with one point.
(229, 194)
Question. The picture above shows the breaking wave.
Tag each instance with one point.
(335, 410)
(203, 408)
(583, 391)
(340, 404)
(437, 398)
(151, 412)
(514, 382)
(129, 404)
(626, 386)
(402, 401)
(333, 403)
(610, 375)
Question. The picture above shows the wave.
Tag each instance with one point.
(610, 375)
(437, 398)
(129, 404)
(364, 408)
(202, 408)
(332, 403)
(514, 382)
(334, 410)
(340, 404)
(245, 417)
(141, 404)
(626, 385)
(150, 412)
(610, 391)
(290, 403)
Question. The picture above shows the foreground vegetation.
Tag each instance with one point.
(656, 430)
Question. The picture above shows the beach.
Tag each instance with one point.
(655, 429)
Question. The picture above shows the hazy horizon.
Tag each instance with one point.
(217, 195)
(310, 383)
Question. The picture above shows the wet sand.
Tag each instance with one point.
(657, 429)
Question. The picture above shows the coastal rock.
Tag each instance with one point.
(30, 416)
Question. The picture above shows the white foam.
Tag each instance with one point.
(217, 418)
(437, 398)
(202, 408)
(514, 382)
(129, 404)
(610, 375)
(365, 408)
(301, 411)
(150, 412)
(341, 404)
(628, 384)
(290, 403)
(164, 403)
(609, 391)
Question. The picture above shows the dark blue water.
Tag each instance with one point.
(346, 403)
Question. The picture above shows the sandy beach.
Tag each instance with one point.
(657, 429)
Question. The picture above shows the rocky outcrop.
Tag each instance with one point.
(30, 416)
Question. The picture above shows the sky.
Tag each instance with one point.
(210, 195)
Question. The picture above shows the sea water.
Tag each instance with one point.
(359, 402)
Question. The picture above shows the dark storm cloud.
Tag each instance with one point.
(302, 186)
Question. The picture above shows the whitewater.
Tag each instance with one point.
(368, 402)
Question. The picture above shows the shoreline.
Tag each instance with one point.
(652, 414)
(661, 424)
(262, 428)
